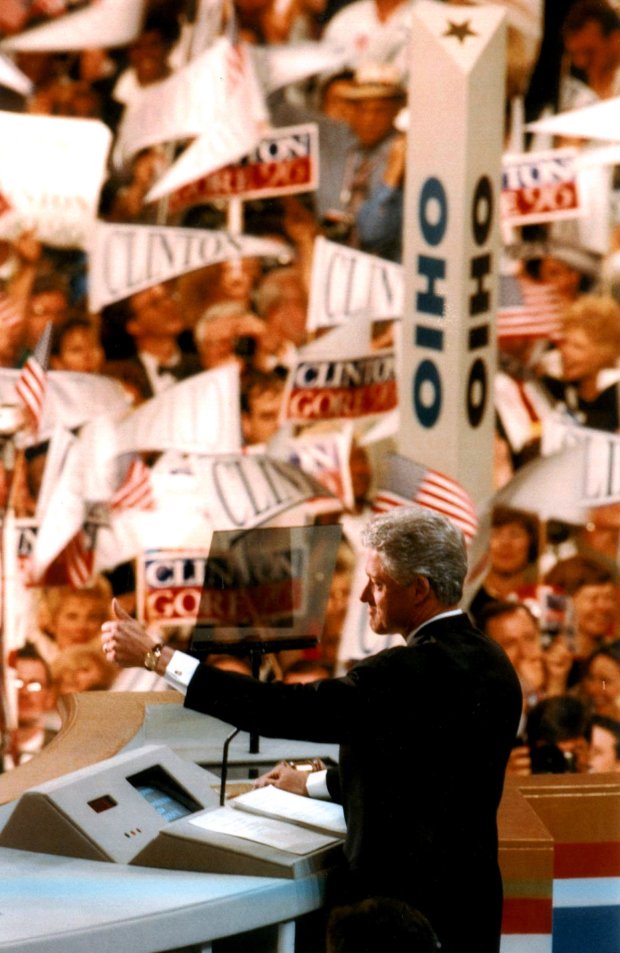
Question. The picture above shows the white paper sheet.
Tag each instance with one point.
(262, 830)
(324, 816)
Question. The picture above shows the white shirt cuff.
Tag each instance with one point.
(179, 671)
(316, 785)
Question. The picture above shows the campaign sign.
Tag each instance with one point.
(348, 285)
(322, 388)
(539, 187)
(171, 584)
(185, 587)
(601, 477)
(600, 465)
(126, 258)
(283, 163)
(51, 172)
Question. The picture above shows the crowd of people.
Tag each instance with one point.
(549, 598)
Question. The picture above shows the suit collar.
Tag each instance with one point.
(422, 633)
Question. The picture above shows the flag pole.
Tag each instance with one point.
(12, 420)
(542, 546)
(234, 215)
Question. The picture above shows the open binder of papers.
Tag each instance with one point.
(265, 832)
(278, 819)
(324, 816)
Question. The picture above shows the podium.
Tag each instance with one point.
(559, 850)
(109, 811)
(148, 807)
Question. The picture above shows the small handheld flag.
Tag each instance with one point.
(31, 384)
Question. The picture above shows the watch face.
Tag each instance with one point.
(151, 657)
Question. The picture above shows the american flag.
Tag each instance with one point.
(403, 482)
(31, 384)
(528, 308)
(135, 491)
(79, 556)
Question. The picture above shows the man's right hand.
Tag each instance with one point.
(125, 641)
(285, 777)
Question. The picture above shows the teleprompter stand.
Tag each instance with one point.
(255, 650)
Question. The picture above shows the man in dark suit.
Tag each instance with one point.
(154, 320)
(425, 730)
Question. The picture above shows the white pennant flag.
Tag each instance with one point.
(206, 154)
(240, 117)
(197, 415)
(198, 493)
(599, 121)
(72, 399)
(59, 445)
(124, 259)
(197, 99)
(13, 78)
(85, 473)
(206, 27)
(290, 63)
(104, 23)
(348, 286)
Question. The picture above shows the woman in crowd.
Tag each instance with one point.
(513, 551)
(82, 668)
(594, 606)
(71, 617)
(600, 685)
(589, 348)
(76, 347)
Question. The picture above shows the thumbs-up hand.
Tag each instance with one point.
(124, 640)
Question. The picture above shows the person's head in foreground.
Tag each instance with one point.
(381, 923)
(604, 754)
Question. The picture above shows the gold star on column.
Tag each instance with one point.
(460, 30)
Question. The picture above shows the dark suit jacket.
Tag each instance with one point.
(425, 732)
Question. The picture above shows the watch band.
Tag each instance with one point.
(152, 657)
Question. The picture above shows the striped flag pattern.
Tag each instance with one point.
(135, 491)
(528, 308)
(402, 482)
(79, 556)
(31, 384)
